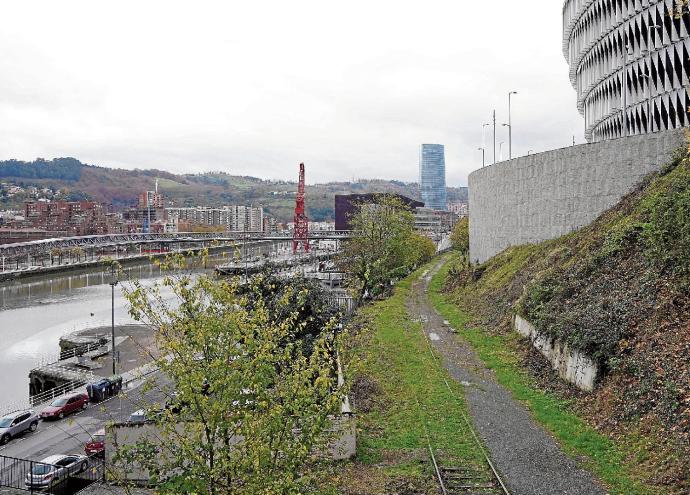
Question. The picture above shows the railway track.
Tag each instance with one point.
(467, 479)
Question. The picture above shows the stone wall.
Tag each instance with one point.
(544, 196)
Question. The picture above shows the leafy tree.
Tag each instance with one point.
(252, 403)
(460, 237)
(385, 247)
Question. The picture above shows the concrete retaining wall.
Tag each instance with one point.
(544, 196)
(571, 365)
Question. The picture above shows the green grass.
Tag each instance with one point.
(600, 455)
(398, 357)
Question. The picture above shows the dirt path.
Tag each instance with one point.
(527, 457)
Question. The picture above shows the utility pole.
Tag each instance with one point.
(494, 137)
(510, 127)
(112, 284)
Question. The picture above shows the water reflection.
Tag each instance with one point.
(35, 313)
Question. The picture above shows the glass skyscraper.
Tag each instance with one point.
(432, 176)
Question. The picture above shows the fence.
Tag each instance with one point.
(14, 474)
(65, 388)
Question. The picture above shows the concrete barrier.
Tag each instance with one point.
(571, 365)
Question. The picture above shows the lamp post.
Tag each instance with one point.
(112, 284)
(500, 152)
(494, 137)
(510, 126)
(483, 157)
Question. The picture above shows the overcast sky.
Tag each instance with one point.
(254, 87)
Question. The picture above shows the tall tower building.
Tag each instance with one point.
(432, 176)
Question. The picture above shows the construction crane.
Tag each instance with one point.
(300, 235)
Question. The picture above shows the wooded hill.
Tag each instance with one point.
(121, 187)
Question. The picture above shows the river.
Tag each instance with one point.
(35, 313)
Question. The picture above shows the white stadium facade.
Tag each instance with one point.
(629, 63)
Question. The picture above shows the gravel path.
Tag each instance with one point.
(527, 457)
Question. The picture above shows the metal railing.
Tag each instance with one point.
(14, 474)
(63, 389)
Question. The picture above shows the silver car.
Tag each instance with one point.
(55, 469)
(16, 423)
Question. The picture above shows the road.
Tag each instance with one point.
(69, 435)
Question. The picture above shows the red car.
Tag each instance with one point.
(96, 446)
(63, 406)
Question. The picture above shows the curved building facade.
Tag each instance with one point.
(630, 65)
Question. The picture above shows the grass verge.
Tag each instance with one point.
(413, 399)
(499, 353)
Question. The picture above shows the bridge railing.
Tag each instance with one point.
(105, 240)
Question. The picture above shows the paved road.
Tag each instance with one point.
(528, 458)
(68, 436)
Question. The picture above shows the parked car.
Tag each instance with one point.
(55, 469)
(17, 423)
(63, 406)
(96, 446)
(138, 417)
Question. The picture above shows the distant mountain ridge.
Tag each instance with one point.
(121, 187)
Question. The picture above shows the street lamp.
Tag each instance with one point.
(112, 284)
(494, 124)
(483, 156)
(510, 126)
(500, 153)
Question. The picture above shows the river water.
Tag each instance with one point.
(35, 313)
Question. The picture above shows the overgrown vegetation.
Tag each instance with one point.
(618, 290)
(399, 392)
(500, 353)
(386, 246)
(460, 238)
(253, 374)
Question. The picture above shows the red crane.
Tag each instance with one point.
(300, 235)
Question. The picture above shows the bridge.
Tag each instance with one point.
(45, 247)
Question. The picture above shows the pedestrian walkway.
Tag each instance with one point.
(528, 457)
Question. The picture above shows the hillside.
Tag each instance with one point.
(618, 290)
(121, 187)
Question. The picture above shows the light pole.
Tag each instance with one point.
(494, 137)
(500, 153)
(483, 158)
(112, 284)
(510, 127)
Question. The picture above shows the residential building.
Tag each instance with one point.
(231, 218)
(460, 208)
